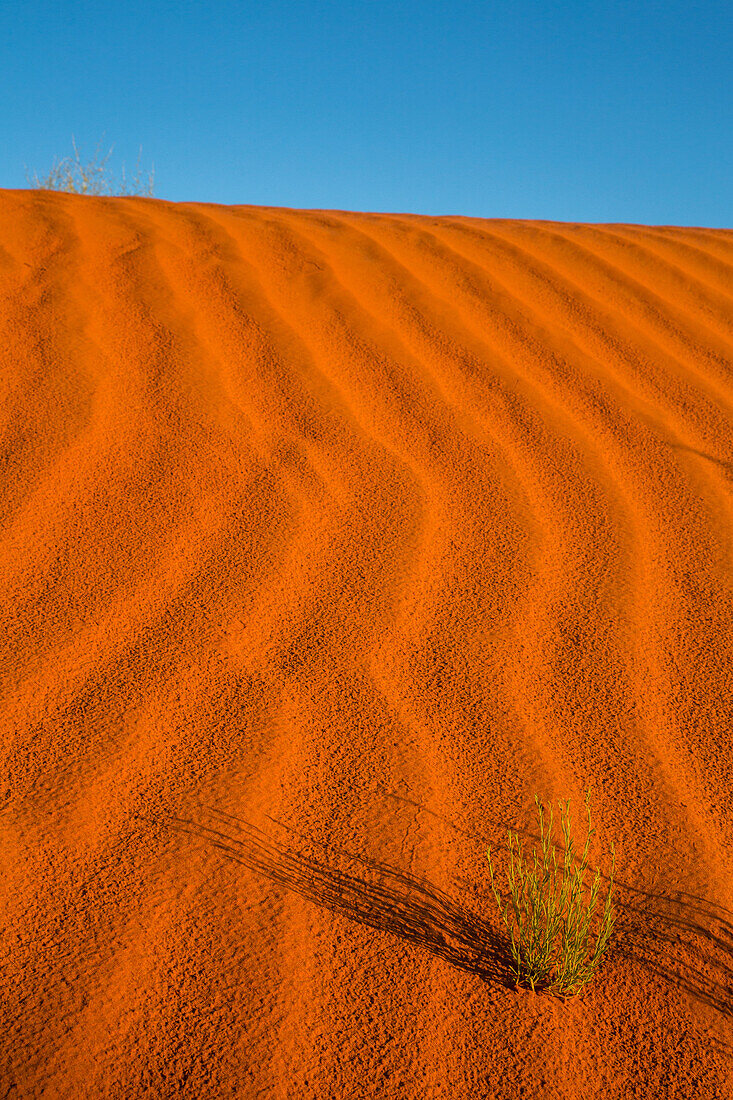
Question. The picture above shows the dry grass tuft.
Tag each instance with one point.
(93, 177)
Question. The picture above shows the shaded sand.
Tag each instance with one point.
(327, 541)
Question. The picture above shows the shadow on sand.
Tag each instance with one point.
(365, 891)
(684, 940)
(721, 462)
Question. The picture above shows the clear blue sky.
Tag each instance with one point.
(578, 111)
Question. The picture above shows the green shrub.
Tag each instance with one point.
(557, 940)
(92, 177)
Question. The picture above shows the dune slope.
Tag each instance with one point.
(328, 540)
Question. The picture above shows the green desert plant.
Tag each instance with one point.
(92, 177)
(556, 935)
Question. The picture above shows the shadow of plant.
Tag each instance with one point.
(721, 462)
(685, 940)
(365, 891)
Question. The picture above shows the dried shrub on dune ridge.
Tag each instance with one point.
(557, 938)
(93, 177)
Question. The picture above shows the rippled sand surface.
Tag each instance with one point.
(327, 541)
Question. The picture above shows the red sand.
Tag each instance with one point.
(328, 540)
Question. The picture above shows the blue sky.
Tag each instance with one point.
(580, 111)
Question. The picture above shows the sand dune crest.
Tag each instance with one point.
(328, 539)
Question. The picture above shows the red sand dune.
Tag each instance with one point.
(328, 540)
